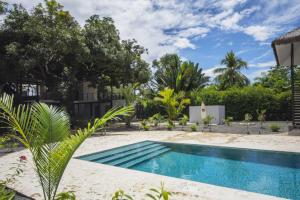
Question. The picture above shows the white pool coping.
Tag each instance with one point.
(97, 181)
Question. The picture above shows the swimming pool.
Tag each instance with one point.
(266, 172)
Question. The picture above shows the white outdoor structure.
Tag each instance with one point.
(197, 113)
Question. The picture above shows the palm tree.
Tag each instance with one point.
(45, 131)
(180, 76)
(231, 75)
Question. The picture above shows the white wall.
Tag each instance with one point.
(217, 111)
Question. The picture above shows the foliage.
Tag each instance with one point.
(70, 195)
(48, 45)
(248, 117)
(7, 142)
(129, 93)
(45, 131)
(193, 127)
(207, 120)
(161, 193)
(239, 101)
(156, 119)
(228, 121)
(261, 117)
(174, 103)
(171, 72)
(170, 125)
(120, 195)
(231, 75)
(278, 79)
(274, 127)
(6, 194)
(145, 125)
(3, 7)
(183, 120)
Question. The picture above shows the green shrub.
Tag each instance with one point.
(170, 125)
(228, 121)
(156, 119)
(145, 125)
(183, 120)
(207, 120)
(247, 100)
(193, 127)
(274, 127)
(248, 117)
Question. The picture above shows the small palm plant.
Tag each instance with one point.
(207, 121)
(121, 195)
(261, 117)
(156, 119)
(248, 118)
(183, 121)
(45, 131)
(158, 194)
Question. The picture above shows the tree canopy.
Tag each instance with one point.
(231, 75)
(181, 76)
(49, 45)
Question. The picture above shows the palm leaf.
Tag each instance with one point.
(45, 130)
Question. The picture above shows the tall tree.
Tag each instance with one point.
(231, 74)
(181, 76)
(277, 78)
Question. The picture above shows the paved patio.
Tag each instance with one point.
(97, 181)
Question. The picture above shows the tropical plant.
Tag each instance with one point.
(183, 121)
(174, 103)
(193, 127)
(274, 127)
(161, 193)
(156, 119)
(261, 117)
(45, 131)
(70, 195)
(207, 121)
(120, 195)
(228, 121)
(145, 125)
(170, 125)
(231, 75)
(6, 194)
(181, 76)
(248, 118)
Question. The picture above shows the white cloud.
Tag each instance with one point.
(263, 64)
(149, 21)
(260, 33)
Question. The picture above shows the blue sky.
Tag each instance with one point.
(198, 30)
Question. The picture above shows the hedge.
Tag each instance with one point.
(239, 101)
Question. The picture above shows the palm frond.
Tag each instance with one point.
(45, 130)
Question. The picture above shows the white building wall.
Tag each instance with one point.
(216, 111)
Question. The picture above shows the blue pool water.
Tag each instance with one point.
(266, 172)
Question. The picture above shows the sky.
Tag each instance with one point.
(201, 31)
